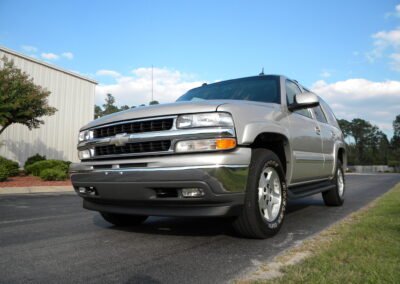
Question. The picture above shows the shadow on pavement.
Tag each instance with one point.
(201, 226)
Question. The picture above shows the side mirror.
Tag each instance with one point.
(304, 100)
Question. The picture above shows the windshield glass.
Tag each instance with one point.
(259, 89)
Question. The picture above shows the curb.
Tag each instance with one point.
(35, 189)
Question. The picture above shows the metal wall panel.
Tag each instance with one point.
(57, 138)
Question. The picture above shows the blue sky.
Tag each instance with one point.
(348, 51)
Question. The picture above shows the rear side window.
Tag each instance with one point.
(319, 114)
(329, 113)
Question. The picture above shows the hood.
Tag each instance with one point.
(156, 110)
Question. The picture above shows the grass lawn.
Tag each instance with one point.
(364, 249)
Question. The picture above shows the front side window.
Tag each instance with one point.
(291, 90)
(259, 89)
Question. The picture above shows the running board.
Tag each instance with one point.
(301, 191)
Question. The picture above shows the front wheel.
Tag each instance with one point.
(266, 195)
(121, 220)
(335, 196)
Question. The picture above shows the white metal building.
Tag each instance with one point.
(71, 94)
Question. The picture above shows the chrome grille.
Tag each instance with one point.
(134, 127)
(133, 148)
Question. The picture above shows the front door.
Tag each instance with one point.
(306, 141)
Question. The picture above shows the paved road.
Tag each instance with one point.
(48, 238)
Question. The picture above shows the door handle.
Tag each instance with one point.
(333, 134)
(318, 130)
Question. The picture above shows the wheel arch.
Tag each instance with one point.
(279, 144)
(342, 156)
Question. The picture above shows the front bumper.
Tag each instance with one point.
(152, 186)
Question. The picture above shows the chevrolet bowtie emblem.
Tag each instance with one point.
(120, 139)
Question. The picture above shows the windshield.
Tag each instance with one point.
(258, 89)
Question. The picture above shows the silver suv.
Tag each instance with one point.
(237, 148)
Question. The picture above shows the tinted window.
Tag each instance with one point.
(329, 113)
(259, 89)
(291, 90)
(319, 114)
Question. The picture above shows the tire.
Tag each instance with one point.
(335, 196)
(122, 220)
(257, 219)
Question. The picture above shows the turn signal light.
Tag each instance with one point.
(205, 145)
(225, 143)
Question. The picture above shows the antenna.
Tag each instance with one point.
(262, 72)
(152, 85)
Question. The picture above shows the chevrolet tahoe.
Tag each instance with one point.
(238, 148)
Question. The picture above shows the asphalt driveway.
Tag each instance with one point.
(49, 238)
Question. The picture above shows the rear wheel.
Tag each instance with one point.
(266, 195)
(335, 196)
(122, 219)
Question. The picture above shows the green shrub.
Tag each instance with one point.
(12, 167)
(393, 163)
(53, 174)
(3, 173)
(36, 168)
(33, 159)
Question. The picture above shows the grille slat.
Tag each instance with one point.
(134, 127)
(133, 148)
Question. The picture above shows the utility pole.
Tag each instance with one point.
(152, 85)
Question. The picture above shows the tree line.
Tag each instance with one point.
(110, 107)
(369, 145)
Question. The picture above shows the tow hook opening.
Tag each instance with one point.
(87, 190)
(166, 192)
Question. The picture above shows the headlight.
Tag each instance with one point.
(85, 135)
(215, 119)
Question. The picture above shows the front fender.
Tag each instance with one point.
(252, 130)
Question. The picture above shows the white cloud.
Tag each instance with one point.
(395, 61)
(384, 40)
(387, 38)
(378, 102)
(396, 13)
(53, 56)
(325, 74)
(29, 48)
(110, 73)
(50, 56)
(68, 55)
(136, 89)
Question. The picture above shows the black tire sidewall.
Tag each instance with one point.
(336, 180)
(262, 159)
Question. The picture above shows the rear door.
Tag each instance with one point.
(306, 142)
(328, 140)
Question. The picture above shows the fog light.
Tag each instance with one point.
(192, 192)
(82, 190)
(85, 154)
